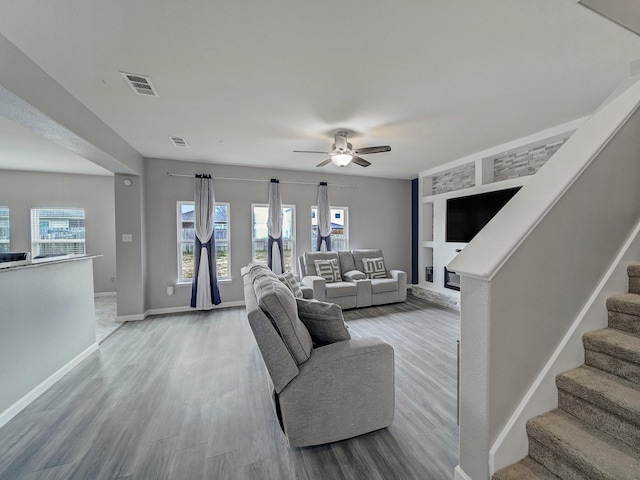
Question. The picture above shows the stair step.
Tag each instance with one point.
(633, 271)
(624, 312)
(571, 449)
(526, 468)
(605, 401)
(613, 351)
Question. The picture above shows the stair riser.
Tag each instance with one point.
(616, 426)
(634, 284)
(624, 322)
(616, 366)
(555, 463)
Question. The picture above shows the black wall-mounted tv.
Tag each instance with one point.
(466, 216)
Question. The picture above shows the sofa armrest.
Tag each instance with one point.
(318, 285)
(401, 277)
(345, 389)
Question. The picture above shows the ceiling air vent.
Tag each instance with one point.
(141, 84)
(179, 141)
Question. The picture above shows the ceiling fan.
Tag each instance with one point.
(342, 152)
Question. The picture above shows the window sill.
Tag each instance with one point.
(188, 284)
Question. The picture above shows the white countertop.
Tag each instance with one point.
(40, 262)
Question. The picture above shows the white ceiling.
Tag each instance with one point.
(246, 82)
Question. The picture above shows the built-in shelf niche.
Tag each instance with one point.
(427, 222)
(427, 260)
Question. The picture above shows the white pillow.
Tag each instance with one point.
(328, 269)
(374, 267)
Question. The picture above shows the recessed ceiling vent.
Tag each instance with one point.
(141, 84)
(179, 141)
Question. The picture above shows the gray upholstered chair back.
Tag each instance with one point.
(361, 253)
(310, 257)
(281, 366)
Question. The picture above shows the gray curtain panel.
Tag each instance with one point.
(275, 251)
(204, 290)
(324, 218)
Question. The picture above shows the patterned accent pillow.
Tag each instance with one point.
(328, 269)
(289, 279)
(374, 267)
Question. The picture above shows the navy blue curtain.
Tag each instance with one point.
(324, 217)
(215, 291)
(274, 227)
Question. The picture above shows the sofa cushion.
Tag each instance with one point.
(341, 289)
(374, 267)
(309, 257)
(382, 285)
(259, 270)
(289, 279)
(328, 269)
(323, 320)
(360, 253)
(346, 261)
(277, 301)
(353, 275)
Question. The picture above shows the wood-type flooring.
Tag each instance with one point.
(185, 396)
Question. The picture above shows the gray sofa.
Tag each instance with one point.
(320, 394)
(354, 290)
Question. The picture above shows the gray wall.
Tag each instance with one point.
(379, 216)
(20, 191)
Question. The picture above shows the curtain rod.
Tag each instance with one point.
(257, 180)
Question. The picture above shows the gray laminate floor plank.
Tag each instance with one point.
(185, 396)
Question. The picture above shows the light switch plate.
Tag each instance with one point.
(127, 238)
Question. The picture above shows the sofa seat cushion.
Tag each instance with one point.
(341, 289)
(324, 321)
(382, 285)
(277, 301)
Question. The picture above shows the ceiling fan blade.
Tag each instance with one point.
(322, 164)
(365, 150)
(360, 161)
(310, 151)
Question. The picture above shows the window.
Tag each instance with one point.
(187, 235)
(56, 231)
(260, 234)
(4, 230)
(339, 228)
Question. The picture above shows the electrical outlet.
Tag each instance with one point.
(127, 238)
(112, 280)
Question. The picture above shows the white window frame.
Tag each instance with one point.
(180, 242)
(36, 241)
(293, 233)
(346, 225)
(6, 241)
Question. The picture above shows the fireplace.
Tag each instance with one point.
(451, 280)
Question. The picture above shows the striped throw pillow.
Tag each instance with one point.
(289, 279)
(328, 269)
(374, 267)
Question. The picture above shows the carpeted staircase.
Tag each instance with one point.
(595, 432)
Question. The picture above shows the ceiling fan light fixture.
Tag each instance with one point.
(342, 159)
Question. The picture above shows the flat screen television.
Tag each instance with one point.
(466, 216)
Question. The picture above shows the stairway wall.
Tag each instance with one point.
(527, 277)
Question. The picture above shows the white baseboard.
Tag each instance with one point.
(180, 309)
(458, 474)
(21, 404)
(105, 294)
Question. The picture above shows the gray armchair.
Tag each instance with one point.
(322, 394)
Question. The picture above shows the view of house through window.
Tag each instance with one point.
(4, 230)
(339, 228)
(57, 231)
(260, 234)
(187, 235)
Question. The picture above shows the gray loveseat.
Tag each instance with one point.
(324, 393)
(353, 289)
